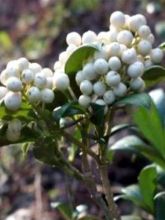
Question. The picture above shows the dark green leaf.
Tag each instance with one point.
(64, 209)
(119, 128)
(78, 57)
(142, 99)
(160, 206)
(98, 114)
(147, 183)
(154, 75)
(151, 126)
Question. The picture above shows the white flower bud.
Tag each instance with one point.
(136, 69)
(89, 37)
(73, 38)
(89, 71)
(70, 49)
(49, 82)
(156, 55)
(58, 65)
(99, 88)
(3, 92)
(47, 95)
(144, 31)
(114, 49)
(114, 63)
(120, 90)
(12, 71)
(79, 77)
(40, 80)
(14, 84)
(125, 37)
(101, 66)
(47, 72)
(86, 87)
(63, 56)
(27, 76)
(103, 37)
(35, 67)
(4, 77)
(151, 38)
(109, 97)
(129, 56)
(34, 95)
(136, 21)
(23, 63)
(144, 47)
(113, 35)
(84, 100)
(112, 78)
(13, 101)
(137, 84)
(61, 81)
(117, 19)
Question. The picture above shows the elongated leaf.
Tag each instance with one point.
(151, 126)
(119, 128)
(160, 206)
(78, 57)
(147, 183)
(64, 209)
(142, 99)
(154, 75)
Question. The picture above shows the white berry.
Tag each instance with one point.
(79, 77)
(99, 88)
(89, 37)
(136, 69)
(40, 80)
(144, 47)
(89, 71)
(86, 87)
(61, 81)
(84, 100)
(73, 38)
(35, 67)
(109, 97)
(23, 63)
(112, 78)
(144, 31)
(34, 94)
(3, 92)
(47, 95)
(114, 63)
(120, 90)
(156, 55)
(114, 49)
(129, 56)
(27, 76)
(137, 84)
(125, 37)
(13, 101)
(14, 84)
(101, 66)
(117, 19)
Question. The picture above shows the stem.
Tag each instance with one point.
(108, 193)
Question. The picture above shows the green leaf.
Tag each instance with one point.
(147, 183)
(132, 193)
(5, 40)
(142, 99)
(98, 114)
(151, 126)
(78, 57)
(160, 206)
(64, 209)
(120, 127)
(154, 75)
(69, 109)
(137, 145)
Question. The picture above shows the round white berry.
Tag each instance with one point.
(117, 19)
(63, 56)
(136, 21)
(114, 49)
(61, 81)
(12, 71)
(89, 71)
(129, 56)
(47, 95)
(86, 87)
(27, 76)
(144, 47)
(109, 97)
(112, 78)
(89, 37)
(136, 69)
(58, 65)
(84, 100)
(99, 88)
(125, 37)
(14, 84)
(35, 67)
(4, 77)
(137, 84)
(23, 63)
(144, 31)
(70, 49)
(49, 82)
(34, 94)
(156, 55)
(73, 38)
(112, 35)
(13, 101)
(114, 63)
(151, 38)
(120, 90)
(101, 66)
(40, 80)
(3, 92)
(47, 72)
(148, 63)
(79, 77)
(103, 37)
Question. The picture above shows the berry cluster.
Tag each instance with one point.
(125, 50)
(22, 79)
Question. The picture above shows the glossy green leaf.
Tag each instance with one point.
(64, 209)
(151, 126)
(142, 99)
(160, 206)
(147, 183)
(154, 75)
(78, 57)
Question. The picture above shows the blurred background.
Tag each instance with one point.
(37, 30)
